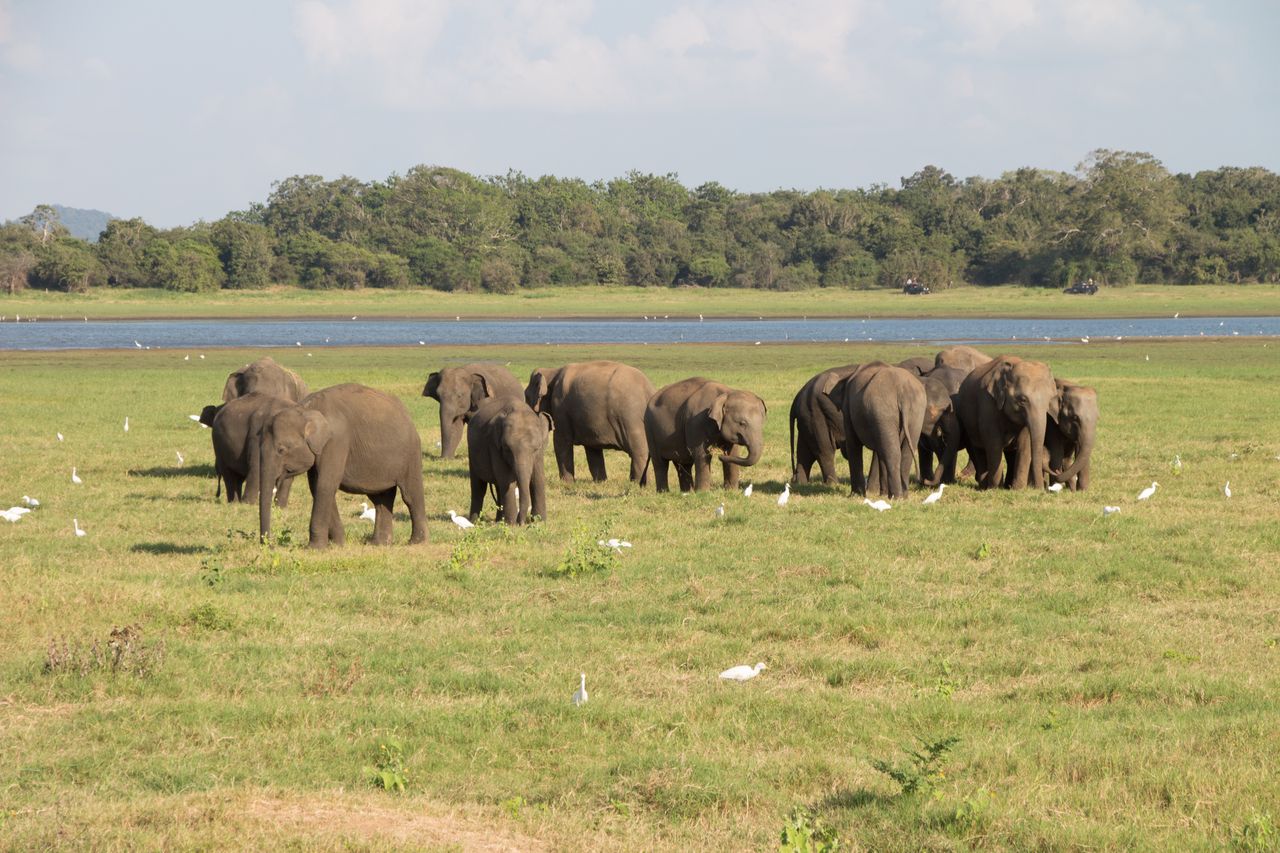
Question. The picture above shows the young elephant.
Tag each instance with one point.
(350, 438)
(264, 376)
(995, 402)
(599, 405)
(1069, 438)
(459, 390)
(235, 427)
(686, 420)
(884, 410)
(506, 443)
(816, 426)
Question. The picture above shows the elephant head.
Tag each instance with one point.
(208, 413)
(459, 392)
(264, 376)
(538, 392)
(738, 417)
(941, 427)
(289, 445)
(1025, 393)
(1077, 420)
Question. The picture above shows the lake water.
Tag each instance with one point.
(187, 334)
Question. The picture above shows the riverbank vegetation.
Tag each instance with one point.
(1065, 680)
(1120, 218)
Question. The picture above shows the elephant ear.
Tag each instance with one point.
(432, 388)
(231, 390)
(836, 390)
(316, 432)
(716, 412)
(546, 416)
(538, 389)
(479, 391)
(999, 388)
(208, 413)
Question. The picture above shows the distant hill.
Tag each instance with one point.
(85, 224)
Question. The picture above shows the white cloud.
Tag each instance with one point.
(984, 24)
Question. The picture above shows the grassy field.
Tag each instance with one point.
(1109, 683)
(1136, 301)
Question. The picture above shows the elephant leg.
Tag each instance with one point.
(1020, 462)
(538, 488)
(907, 448)
(595, 464)
(732, 473)
(235, 487)
(324, 506)
(411, 492)
(478, 488)
(857, 479)
(685, 475)
(510, 502)
(383, 508)
(562, 441)
(874, 484)
(926, 462)
(825, 455)
(660, 471)
(701, 470)
(804, 462)
(639, 467)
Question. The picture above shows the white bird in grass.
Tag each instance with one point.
(616, 544)
(75, 478)
(181, 460)
(1109, 510)
(368, 513)
(126, 424)
(785, 496)
(30, 501)
(746, 493)
(743, 672)
(14, 513)
(580, 695)
(934, 497)
(460, 520)
(59, 436)
(1054, 487)
(1226, 490)
(720, 511)
(1146, 493)
(138, 345)
(879, 505)
(75, 525)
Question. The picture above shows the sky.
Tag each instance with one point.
(177, 111)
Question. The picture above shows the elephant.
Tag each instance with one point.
(940, 433)
(962, 357)
(918, 364)
(264, 376)
(506, 444)
(349, 438)
(599, 405)
(884, 410)
(235, 427)
(459, 390)
(995, 402)
(688, 419)
(1068, 439)
(816, 426)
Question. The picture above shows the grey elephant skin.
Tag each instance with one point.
(884, 410)
(961, 357)
(941, 436)
(349, 438)
(235, 428)
(598, 405)
(687, 420)
(816, 426)
(264, 376)
(919, 364)
(459, 390)
(1069, 438)
(506, 446)
(995, 402)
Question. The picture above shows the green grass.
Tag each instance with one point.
(1111, 683)
(1007, 301)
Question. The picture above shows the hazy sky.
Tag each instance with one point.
(179, 111)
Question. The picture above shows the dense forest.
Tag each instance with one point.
(1120, 218)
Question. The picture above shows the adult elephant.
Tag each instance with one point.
(349, 438)
(961, 357)
(687, 420)
(995, 402)
(235, 428)
(918, 364)
(264, 376)
(884, 409)
(506, 443)
(596, 404)
(816, 426)
(459, 391)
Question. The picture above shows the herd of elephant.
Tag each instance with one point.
(358, 440)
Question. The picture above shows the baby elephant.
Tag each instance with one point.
(234, 428)
(687, 420)
(506, 441)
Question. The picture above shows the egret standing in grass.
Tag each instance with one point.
(14, 514)
(1146, 493)
(785, 496)
(30, 501)
(126, 423)
(1109, 510)
(934, 497)
(742, 672)
(580, 695)
(751, 487)
(1226, 490)
(75, 525)
(720, 511)
(368, 513)
(60, 434)
(460, 520)
(879, 505)
(181, 460)
(75, 478)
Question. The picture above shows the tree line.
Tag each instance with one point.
(1120, 218)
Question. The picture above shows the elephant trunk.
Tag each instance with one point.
(450, 435)
(1036, 421)
(523, 468)
(1084, 450)
(267, 475)
(754, 450)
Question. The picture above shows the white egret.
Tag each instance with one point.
(75, 478)
(746, 493)
(879, 505)
(1226, 490)
(181, 460)
(368, 513)
(1175, 314)
(14, 514)
(202, 356)
(1146, 493)
(75, 525)
(30, 501)
(785, 496)
(186, 358)
(460, 520)
(1084, 340)
(580, 695)
(934, 497)
(1109, 510)
(615, 543)
(720, 511)
(59, 436)
(126, 423)
(1054, 487)
(743, 672)
(138, 345)
(699, 318)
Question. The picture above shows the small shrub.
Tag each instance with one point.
(805, 833)
(974, 811)
(123, 652)
(469, 550)
(210, 617)
(584, 556)
(1259, 833)
(212, 572)
(983, 552)
(924, 767)
(945, 686)
(512, 806)
(388, 772)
